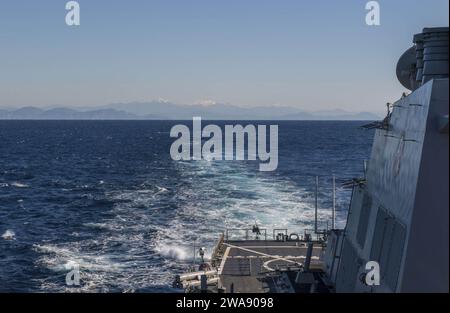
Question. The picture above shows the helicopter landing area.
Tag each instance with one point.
(245, 265)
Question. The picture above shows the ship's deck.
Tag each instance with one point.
(258, 266)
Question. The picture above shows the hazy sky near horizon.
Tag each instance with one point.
(314, 55)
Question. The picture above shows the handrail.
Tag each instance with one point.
(215, 252)
(247, 230)
(226, 236)
(278, 229)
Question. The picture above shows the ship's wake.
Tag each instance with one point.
(154, 229)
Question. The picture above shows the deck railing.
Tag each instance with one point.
(262, 235)
(279, 234)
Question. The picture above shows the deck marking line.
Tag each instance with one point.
(277, 257)
(224, 258)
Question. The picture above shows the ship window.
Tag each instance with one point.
(377, 242)
(385, 249)
(364, 219)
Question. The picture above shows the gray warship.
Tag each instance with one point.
(398, 215)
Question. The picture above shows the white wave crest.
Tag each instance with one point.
(173, 252)
(19, 185)
(9, 235)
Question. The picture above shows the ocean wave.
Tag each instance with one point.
(59, 258)
(173, 252)
(98, 225)
(161, 189)
(9, 235)
(19, 185)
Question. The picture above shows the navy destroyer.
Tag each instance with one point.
(398, 216)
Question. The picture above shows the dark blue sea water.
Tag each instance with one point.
(107, 196)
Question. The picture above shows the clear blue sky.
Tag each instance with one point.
(315, 54)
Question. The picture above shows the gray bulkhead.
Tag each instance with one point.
(399, 217)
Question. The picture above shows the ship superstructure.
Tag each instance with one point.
(398, 215)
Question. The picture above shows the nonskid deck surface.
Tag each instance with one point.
(257, 266)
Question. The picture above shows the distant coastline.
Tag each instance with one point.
(170, 111)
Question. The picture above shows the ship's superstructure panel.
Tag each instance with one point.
(427, 260)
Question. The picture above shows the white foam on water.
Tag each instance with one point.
(19, 185)
(173, 252)
(102, 226)
(59, 258)
(161, 189)
(9, 235)
(153, 228)
(118, 257)
(230, 195)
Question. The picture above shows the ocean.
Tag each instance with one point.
(107, 196)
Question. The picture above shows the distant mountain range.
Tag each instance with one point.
(163, 110)
(32, 113)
